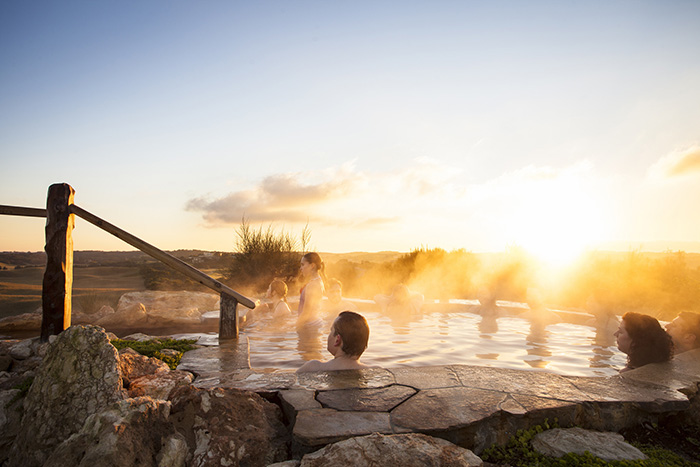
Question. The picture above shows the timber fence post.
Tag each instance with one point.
(58, 276)
(228, 319)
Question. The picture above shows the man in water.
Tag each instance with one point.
(347, 340)
(685, 331)
(335, 303)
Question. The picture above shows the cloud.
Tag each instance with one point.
(337, 195)
(681, 162)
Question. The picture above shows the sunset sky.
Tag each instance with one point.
(554, 126)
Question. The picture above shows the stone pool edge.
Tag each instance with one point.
(471, 406)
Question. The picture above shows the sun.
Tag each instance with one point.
(558, 223)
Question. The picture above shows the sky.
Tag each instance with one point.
(554, 126)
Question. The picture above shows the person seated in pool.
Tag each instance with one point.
(538, 314)
(277, 306)
(644, 341)
(347, 340)
(401, 301)
(335, 303)
(685, 331)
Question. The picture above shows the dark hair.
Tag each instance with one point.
(314, 258)
(691, 325)
(354, 330)
(650, 343)
(279, 287)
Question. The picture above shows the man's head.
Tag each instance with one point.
(349, 333)
(685, 331)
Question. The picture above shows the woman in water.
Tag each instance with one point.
(277, 294)
(313, 271)
(643, 339)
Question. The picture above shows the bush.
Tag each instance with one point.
(264, 254)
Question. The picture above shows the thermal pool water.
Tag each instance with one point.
(444, 336)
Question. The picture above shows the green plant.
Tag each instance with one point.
(263, 254)
(153, 347)
(518, 452)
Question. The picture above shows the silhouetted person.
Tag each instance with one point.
(312, 270)
(685, 331)
(347, 340)
(644, 341)
(335, 303)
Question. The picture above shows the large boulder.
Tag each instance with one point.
(608, 446)
(412, 449)
(10, 418)
(133, 365)
(78, 377)
(132, 432)
(160, 385)
(229, 427)
(161, 309)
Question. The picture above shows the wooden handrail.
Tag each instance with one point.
(160, 255)
(21, 211)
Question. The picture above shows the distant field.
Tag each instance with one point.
(20, 289)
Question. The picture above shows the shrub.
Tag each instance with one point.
(153, 347)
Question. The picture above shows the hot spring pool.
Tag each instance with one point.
(443, 336)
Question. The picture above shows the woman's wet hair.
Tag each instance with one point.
(650, 343)
(354, 330)
(279, 287)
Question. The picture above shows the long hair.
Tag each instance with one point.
(650, 342)
(280, 288)
(314, 258)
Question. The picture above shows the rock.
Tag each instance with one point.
(608, 446)
(160, 309)
(5, 362)
(227, 426)
(23, 322)
(132, 316)
(160, 384)
(10, 418)
(131, 432)
(133, 365)
(413, 449)
(366, 400)
(174, 452)
(22, 350)
(92, 318)
(289, 463)
(139, 337)
(79, 377)
(170, 353)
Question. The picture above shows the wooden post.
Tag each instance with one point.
(58, 276)
(228, 319)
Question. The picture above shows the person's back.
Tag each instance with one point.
(347, 340)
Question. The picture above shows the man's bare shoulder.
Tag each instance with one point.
(311, 365)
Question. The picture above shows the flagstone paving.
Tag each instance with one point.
(472, 406)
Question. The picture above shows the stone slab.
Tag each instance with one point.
(428, 377)
(366, 400)
(447, 409)
(621, 389)
(535, 383)
(322, 426)
(346, 379)
(680, 373)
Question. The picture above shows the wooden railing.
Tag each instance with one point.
(58, 276)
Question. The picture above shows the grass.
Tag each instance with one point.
(518, 452)
(153, 348)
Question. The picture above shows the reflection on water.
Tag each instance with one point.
(447, 337)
